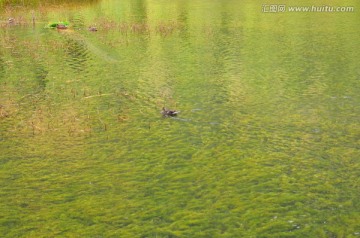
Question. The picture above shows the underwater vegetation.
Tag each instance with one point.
(266, 143)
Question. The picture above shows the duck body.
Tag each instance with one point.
(169, 113)
(92, 28)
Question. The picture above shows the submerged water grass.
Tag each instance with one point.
(265, 145)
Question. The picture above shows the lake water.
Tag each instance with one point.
(266, 143)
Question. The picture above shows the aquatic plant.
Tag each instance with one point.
(85, 151)
(18, 18)
(56, 24)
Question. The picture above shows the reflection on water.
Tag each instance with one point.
(265, 145)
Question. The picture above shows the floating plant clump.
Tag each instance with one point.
(56, 24)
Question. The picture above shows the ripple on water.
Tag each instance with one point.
(78, 55)
(78, 21)
(258, 149)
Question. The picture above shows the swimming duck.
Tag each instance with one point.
(169, 113)
(92, 28)
(61, 26)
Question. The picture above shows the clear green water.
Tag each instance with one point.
(266, 144)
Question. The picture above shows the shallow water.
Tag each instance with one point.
(266, 143)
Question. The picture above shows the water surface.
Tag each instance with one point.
(266, 143)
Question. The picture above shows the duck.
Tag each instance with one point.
(169, 113)
(61, 26)
(92, 28)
